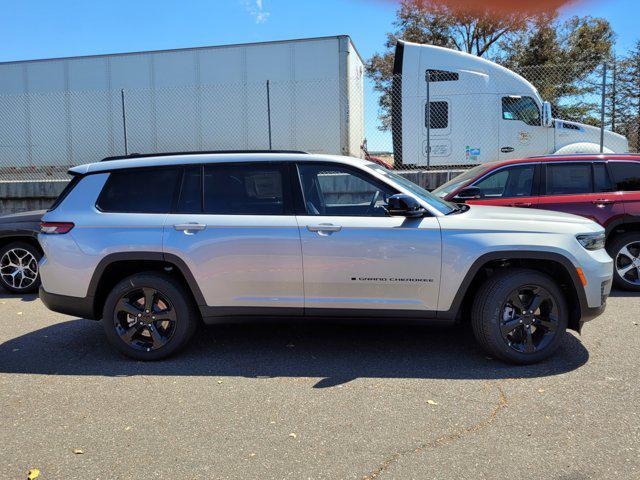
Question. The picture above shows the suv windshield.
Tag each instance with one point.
(459, 180)
(441, 205)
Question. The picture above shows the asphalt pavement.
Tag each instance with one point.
(299, 401)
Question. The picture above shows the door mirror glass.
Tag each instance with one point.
(469, 193)
(401, 205)
(547, 119)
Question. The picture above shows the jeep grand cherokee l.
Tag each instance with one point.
(604, 188)
(152, 245)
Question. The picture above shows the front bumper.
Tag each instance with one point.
(74, 306)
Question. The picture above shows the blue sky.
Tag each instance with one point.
(32, 29)
(45, 28)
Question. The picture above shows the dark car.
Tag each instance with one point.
(604, 188)
(20, 251)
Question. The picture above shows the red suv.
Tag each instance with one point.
(604, 188)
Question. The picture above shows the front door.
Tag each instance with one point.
(521, 131)
(235, 230)
(357, 259)
(510, 186)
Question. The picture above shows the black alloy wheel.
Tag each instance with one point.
(529, 319)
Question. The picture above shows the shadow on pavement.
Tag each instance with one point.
(25, 297)
(336, 353)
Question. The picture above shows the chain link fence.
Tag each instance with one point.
(444, 120)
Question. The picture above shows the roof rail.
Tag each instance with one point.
(167, 154)
(592, 154)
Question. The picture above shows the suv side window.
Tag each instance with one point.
(331, 189)
(568, 178)
(521, 108)
(246, 189)
(626, 175)
(139, 191)
(516, 181)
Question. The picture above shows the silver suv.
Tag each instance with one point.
(154, 245)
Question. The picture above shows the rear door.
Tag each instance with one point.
(357, 259)
(625, 176)
(581, 188)
(510, 186)
(234, 228)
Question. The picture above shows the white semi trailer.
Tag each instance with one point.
(478, 111)
(303, 94)
(66, 111)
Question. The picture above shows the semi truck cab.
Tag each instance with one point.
(466, 110)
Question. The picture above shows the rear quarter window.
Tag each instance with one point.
(625, 175)
(139, 191)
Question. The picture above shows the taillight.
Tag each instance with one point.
(55, 228)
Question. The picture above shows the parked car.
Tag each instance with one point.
(604, 188)
(20, 251)
(152, 245)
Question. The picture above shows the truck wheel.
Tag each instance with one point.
(625, 251)
(149, 316)
(19, 267)
(519, 316)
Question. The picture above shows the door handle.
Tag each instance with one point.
(507, 149)
(521, 204)
(603, 201)
(189, 227)
(324, 227)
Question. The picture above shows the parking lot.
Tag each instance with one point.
(319, 401)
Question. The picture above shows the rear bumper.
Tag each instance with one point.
(74, 306)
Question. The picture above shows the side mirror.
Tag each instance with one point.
(547, 118)
(402, 205)
(469, 193)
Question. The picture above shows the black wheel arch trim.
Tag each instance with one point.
(152, 256)
(507, 255)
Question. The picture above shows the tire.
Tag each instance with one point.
(155, 333)
(614, 247)
(24, 277)
(491, 304)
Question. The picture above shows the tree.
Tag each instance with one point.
(563, 60)
(629, 85)
(422, 21)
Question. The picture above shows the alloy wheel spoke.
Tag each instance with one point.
(167, 315)
(622, 271)
(128, 335)
(535, 302)
(510, 325)
(125, 306)
(149, 298)
(625, 251)
(529, 346)
(156, 338)
(516, 301)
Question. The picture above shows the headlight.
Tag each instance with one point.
(591, 241)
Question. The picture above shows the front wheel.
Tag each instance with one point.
(519, 316)
(149, 316)
(625, 251)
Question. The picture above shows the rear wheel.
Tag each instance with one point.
(519, 316)
(625, 251)
(19, 267)
(149, 316)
